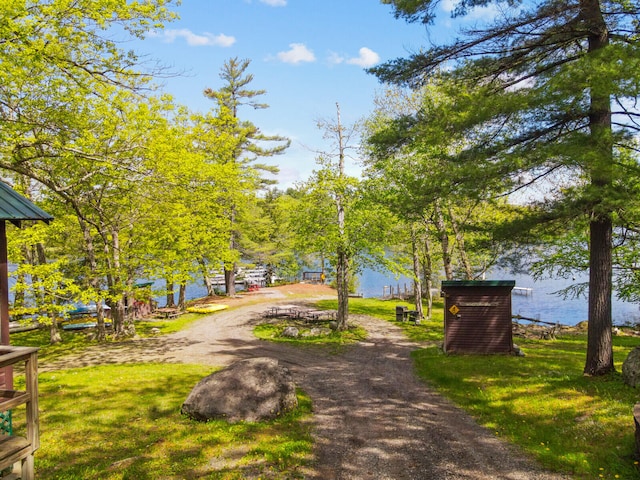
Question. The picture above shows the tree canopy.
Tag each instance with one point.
(544, 94)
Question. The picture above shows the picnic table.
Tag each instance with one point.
(283, 311)
(298, 312)
(166, 312)
(316, 315)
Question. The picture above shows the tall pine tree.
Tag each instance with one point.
(250, 144)
(545, 93)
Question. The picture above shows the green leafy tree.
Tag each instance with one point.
(63, 80)
(544, 93)
(334, 221)
(404, 171)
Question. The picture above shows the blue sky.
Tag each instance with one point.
(308, 56)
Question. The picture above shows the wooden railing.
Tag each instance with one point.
(14, 449)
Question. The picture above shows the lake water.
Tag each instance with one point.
(542, 304)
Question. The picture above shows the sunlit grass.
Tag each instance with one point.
(427, 331)
(165, 327)
(124, 422)
(129, 414)
(542, 402)
(273, 332)
(77, 340)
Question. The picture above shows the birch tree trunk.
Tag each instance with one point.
(342, 268)
(441, 227)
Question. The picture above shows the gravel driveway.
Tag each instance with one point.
(373, 418)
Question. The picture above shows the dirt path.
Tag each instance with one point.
(373, 418)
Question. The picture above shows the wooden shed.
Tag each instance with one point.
(477, 316)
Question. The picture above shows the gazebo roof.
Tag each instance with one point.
(14, 207)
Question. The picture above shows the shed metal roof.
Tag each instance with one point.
(14, 207)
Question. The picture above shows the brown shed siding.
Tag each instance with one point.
(478, 317)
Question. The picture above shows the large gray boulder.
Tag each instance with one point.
(631, 368)
(250, 390)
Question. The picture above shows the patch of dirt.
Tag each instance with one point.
(263, 294)
(373, 419)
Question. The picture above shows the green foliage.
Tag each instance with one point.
(316, 226)
(251, 235)
(137, 184)
(250, 142)
(406, 171)
(115, 422)
(544, 109)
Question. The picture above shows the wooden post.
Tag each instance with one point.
(4, 286)
(33, 416)
(6, 374)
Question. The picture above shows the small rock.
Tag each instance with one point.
(291, 332)
(517, 351)
(317, 332)
(631, 368)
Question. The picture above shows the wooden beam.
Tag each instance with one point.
(4, 286)
(6, 374)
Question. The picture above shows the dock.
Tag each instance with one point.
(526, 291)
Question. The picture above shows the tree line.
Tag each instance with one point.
(515, 145)
(140, 186)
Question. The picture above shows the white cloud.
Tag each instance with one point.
(275, 3)
(194, 40)
(335, 58)
(366, 58)
(298, 52)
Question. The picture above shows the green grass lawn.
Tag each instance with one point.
(542, 402)
(335, 339)
(75, 341)
(123, 422)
